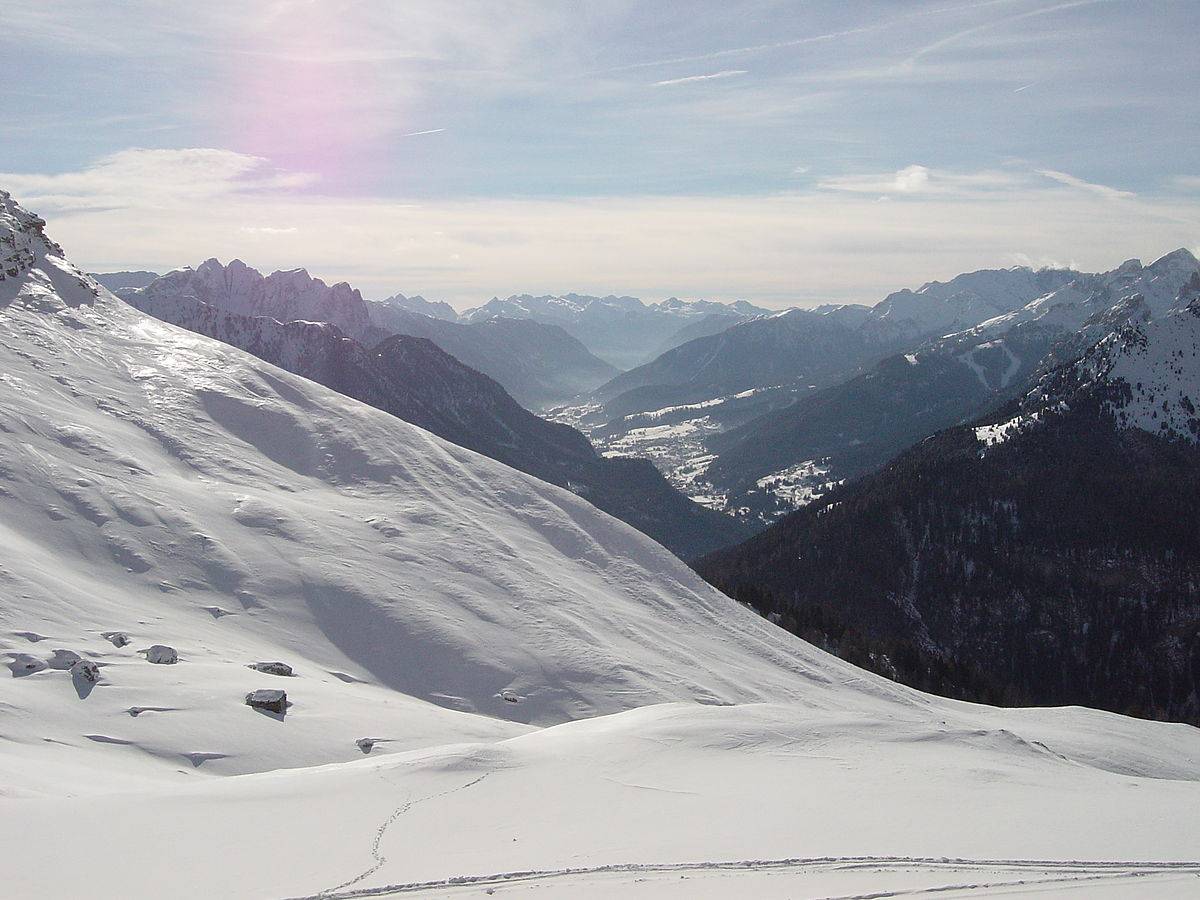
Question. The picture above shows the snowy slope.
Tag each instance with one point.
(1144, 375)
(160, 484)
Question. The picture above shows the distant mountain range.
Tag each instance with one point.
(624, 331)
(538, 364)
(123, 281)
(436, 309)
(413, 379)
(688, 408)
(856, 426)
(1047, 553)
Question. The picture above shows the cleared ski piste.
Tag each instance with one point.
(559, 707)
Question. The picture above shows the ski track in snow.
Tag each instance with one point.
(376, 853)
(1072, 871)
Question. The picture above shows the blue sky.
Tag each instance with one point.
(790, 153)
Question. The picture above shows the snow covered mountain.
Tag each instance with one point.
(1044, 554)
(415, 380)
(286, 296)
(495, 687)
(855, 427)
(698, 409)
(621, 330)
(437, 309)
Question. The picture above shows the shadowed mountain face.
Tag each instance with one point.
(1046, 554)
(415, 380)
(540, 365)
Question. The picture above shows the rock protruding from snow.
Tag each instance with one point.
(272, 701)
(117, 638)
(64, 660)
(23, 664)
(273, 668)
(22, 238)
(86, 670)
(162, 655)
(33, 272)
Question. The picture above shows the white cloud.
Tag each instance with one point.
(912, 179)
(1100, 190)
(917, 180)
(728, 73)
(427, 131)
(153, 178)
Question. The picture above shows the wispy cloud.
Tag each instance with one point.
(427, 131)
(153, 178)
(1100, 190)
(754, 48)
(922, 180)
(958, 36)
(727, 73)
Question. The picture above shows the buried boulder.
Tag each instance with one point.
(84, 675)
(116, 638)
(273, 668)
(267, 700)
(64, 660)
(86, 670)
(23, 664)
(161, 655)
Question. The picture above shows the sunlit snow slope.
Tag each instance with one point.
(480, 627)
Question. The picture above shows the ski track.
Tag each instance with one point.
(379, 858)
(1072, 870)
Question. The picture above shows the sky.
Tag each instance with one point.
(790, 153)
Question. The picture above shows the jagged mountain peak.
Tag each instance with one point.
(33, 270)
(286, 295)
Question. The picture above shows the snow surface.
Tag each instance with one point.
(665, 741)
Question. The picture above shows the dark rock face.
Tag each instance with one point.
(273, 668)
(271, 701)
